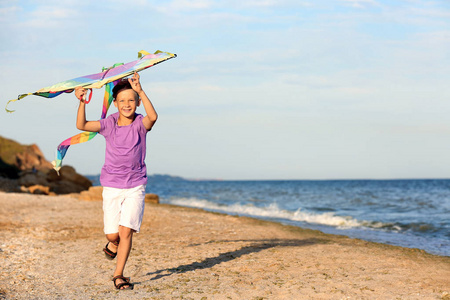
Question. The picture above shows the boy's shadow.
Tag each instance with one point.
(256, 246)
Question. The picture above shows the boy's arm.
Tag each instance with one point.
(151, 117)
(82, 124)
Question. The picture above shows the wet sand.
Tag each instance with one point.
(51, 248)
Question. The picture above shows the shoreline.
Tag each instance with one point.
(286, 223)
(291, 227)
(51, 247)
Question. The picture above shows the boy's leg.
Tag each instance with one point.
(123, 251)
(131, 214)
(112, 199)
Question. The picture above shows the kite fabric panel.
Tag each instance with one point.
(118, 71)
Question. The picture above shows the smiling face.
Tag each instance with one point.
(127, 102)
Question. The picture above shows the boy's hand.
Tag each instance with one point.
(80, 93)
(135, 84)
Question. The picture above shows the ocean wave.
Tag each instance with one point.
(409, 213)
(272, 211)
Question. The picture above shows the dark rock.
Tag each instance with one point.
(33, 178)
(68, 173)
(65, 187)
(8, 171)
(31, 158)
(9, 185)
(152, 198)
(27, 164)
(93, 194)
(36, 189)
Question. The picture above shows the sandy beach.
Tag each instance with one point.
(51, 248)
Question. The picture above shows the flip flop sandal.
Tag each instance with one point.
(126, 282)
(108, 253)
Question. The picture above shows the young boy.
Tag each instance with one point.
(124, 174)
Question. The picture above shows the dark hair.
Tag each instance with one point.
(123, 84)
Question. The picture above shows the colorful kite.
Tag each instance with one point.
(98, 80)
(108, 77)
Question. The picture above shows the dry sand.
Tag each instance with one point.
(51, 248)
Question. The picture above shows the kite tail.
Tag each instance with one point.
(86, 135)
(64, 146)
(44, 94)
(108, 98)
(14, 100)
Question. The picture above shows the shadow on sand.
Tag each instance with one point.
(256, 246)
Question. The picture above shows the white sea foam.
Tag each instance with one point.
(273, 211)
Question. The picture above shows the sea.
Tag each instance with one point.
(407, 213)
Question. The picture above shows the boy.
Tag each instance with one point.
(124, 174)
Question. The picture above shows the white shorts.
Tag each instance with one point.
(124, 207)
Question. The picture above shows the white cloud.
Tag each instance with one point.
(261, 3)
(430, 12)
(51, 15)
(177, 6)
(268, 4)
(5, 11)
(361, 3)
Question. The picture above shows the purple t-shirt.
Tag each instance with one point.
(124, 166)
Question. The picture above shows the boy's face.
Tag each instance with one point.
(126, 102)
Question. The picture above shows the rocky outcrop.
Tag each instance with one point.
(9, 185)
(24, 168)
(69, 181)
(152, 198)
(15, 158)
(94, 193)
(31, 158)
(36, 189)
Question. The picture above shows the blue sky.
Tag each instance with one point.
(259, 90)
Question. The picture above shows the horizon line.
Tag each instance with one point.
(293, 179)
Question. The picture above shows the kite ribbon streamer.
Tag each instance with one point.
(86, 135)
